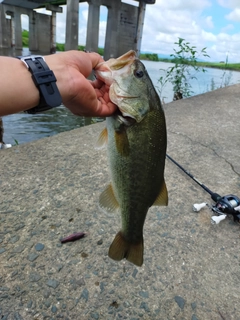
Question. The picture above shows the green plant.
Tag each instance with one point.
(213, 86)
(184, 69)
(60, 46)
(101, 51)
(25, 37)
(149, 56)
(16, 142)
(226, 77)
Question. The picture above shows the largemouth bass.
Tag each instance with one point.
(136, 143)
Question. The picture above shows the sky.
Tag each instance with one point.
(214, 24)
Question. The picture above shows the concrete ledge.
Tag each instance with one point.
(50, 188)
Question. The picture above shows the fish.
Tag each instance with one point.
(136, 140)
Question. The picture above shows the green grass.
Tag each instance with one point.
(227, 66)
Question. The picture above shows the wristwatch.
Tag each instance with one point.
(45, 80)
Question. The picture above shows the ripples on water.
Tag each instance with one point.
(24, 127)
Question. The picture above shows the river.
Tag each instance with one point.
(21, 127)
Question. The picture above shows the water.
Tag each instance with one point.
(215, 78)
(22, 128)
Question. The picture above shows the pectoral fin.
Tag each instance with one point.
(107, 200)
(102, 139)
(162, 198)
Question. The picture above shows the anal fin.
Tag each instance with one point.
(107, 200)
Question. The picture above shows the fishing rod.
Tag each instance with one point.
(224, 205)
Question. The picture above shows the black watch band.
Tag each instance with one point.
(45, 81)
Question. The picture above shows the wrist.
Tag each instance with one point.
(60, 71)
(45, 81)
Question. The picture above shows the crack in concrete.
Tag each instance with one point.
(208, 147)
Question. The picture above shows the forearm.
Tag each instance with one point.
(19, 93)
(17, 89)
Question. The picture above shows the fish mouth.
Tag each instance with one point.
(125, 118)
(122, 61)
(105, 70)
(109, 71)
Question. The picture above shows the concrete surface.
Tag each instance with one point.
(50, 188)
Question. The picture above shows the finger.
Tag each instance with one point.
(95, 59)
(105, 109)
(84, 62)
(96, 83)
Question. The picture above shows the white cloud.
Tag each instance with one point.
(102, 33)
(174, 19)
(209, 22)
(166, 21)
(227, 28)
(234, 15)
(229, 3)
(85, 14)
(190, 5)
(208, 36)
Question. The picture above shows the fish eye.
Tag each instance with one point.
(139, 73)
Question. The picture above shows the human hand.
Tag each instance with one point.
(81, 96)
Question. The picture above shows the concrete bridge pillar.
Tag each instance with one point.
(122, 26)
(93, 26)
(5, 31)
(112, 32)
(33, 39)
(71, 41)
(18, 30)
(54, 10)
(140, 23)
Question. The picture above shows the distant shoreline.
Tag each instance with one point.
(149, 56)
(215, 65)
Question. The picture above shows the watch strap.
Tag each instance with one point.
(45, 81)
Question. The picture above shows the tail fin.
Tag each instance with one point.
(120, 249)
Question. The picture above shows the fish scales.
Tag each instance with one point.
(137, 178)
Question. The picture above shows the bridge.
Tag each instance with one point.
(123, 32)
